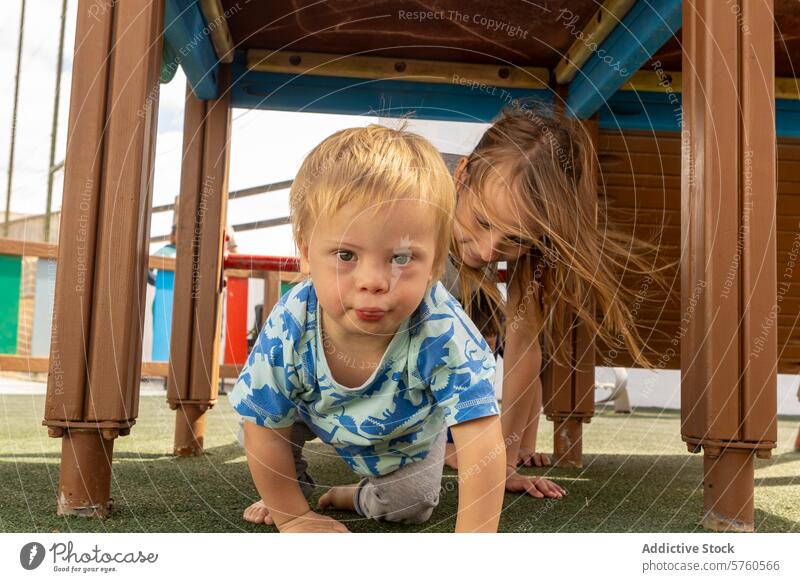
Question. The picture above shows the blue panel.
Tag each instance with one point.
(162, 315)
(316, 94)
(186, 32)
(162, 306)
(43, 306)
(787, 117)
(648, 110)
(644, 29)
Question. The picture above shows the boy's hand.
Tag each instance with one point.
(312, 522)
(528, 458)
(533, 486)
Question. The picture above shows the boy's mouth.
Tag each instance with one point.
(370, 314)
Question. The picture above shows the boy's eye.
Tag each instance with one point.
(402, 260)
(345, 256)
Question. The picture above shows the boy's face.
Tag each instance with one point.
(371, 267)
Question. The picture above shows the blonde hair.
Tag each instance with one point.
(373, 165)
(547, 164)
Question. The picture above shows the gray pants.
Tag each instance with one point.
(409, 495)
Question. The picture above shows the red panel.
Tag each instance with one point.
(236, 321)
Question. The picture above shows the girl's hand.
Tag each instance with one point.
(534, 486)
(529, 458)
(312, 522)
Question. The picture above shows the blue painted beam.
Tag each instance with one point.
(317, 94)
(641, 110)
(787, 117)
(645, 110)
(654, 111)
(644, 29)
(190, 46)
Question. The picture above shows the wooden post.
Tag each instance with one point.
(272, 293)
(728, 264)
(568, 395)
(568, 392)
(196, 317)
(95, 354)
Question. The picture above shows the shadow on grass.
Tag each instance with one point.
(787, 457)
(159, 493)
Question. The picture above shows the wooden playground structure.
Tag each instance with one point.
(695, 111)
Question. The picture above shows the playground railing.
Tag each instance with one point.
(27, 272)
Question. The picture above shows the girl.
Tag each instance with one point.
(527, 195)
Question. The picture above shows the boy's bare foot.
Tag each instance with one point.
(450, 459)
(341, 497)
(258, 513)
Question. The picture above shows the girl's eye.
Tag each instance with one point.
(483, 224)
(345, 256)
(514, 240)
(402, 260)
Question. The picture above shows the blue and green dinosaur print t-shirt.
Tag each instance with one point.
(437, 371)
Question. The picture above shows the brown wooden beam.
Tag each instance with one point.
(365, 66)
(272, 293)
(196, 320)
(33, 364)
(728, 264)
(95, 353)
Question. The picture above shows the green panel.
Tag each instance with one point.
(285, 287)
(10, 277)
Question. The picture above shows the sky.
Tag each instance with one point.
(267, 146)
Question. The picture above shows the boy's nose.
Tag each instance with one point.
(373, 279)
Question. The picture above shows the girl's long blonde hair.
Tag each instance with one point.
(576, 260)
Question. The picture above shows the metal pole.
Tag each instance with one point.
(51, 168)
(14, 120)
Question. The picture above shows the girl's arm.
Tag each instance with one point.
(527, 446)
(481, 474)
(522, 388)
(522, 362)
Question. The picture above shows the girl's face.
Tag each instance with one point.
(479, 241)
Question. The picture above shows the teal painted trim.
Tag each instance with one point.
(644, 29)
(186, 32)
(649, 110)
(317, 94)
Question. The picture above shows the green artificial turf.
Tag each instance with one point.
(637, 477)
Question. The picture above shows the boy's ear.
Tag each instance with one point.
(305, 268)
